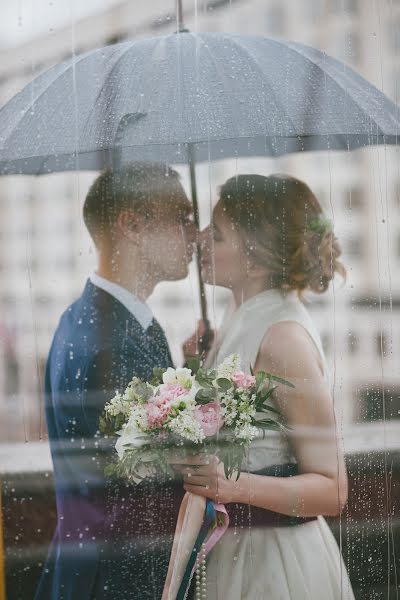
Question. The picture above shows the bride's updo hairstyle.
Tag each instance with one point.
(284, 230)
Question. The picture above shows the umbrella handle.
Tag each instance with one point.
(206, 338)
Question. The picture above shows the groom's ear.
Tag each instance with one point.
(129, 224)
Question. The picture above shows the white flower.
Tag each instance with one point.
(184, 402)
(187, 427)
(131, 435)
(246, 432)
(138, 419)
(228, 367)
(129, 394)
(118, 405)
(180, 376)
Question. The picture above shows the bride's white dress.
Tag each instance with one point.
(300, 562)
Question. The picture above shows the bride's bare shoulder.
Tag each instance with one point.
(289, 343)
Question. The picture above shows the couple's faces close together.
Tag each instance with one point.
(168, 237)
(170, 240)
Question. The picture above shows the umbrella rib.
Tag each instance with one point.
(115, 65)
(277, 102)
(67, 65)
(333, 78)
(220, 72)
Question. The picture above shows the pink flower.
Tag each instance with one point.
(209, 418)
(157, 410)
(171, 391)
(159, 407)
(243, 380)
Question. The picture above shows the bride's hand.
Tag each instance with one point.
(206, 477)
(191, 346)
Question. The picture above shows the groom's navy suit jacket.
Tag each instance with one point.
(97, 348)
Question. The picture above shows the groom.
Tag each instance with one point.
(140, 221)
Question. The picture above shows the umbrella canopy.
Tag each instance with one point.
(187, 96)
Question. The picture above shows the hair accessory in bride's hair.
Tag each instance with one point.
(320, 225)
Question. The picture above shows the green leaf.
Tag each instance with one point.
(268, 424)
(269, 407)
(280, 380)
(203, 378)
(261, 378)
(205, 395)
(193, 363)
(224, 384)
(157, 376)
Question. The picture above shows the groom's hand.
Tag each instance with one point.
(205, 476)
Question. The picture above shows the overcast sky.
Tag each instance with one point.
(21, 20)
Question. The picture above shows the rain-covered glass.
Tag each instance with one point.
(199, 299)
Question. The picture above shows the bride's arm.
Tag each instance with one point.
(321, 486)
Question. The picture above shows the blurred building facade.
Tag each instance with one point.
(46, 254)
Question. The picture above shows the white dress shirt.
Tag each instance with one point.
(140, 310)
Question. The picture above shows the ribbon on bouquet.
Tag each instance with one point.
(200, 521)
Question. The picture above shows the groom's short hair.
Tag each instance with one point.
(136, 186)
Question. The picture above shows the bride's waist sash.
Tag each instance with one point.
(144, 509)
(246, 515)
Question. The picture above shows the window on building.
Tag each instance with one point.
(352, 46)
(213, 4)
(344, 6)
(275, 19)
(355, 198)
(393, 36)
(354, 246)
(352, 342)
(377, 403)
(314, 10)
(12, 374)
(346, 45)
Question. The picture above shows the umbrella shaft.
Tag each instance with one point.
(206, 338)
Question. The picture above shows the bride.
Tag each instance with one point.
(269, 243)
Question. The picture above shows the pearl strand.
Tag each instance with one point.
(201, 574)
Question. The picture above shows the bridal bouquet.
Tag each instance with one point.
(182, 409)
